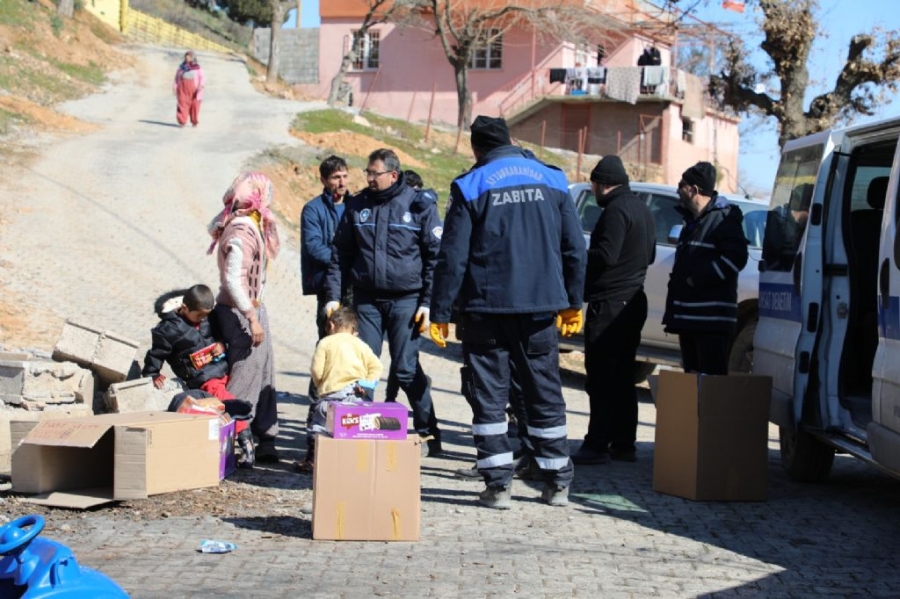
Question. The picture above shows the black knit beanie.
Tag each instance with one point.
(703, 175)
(610, 171)
(489, 133)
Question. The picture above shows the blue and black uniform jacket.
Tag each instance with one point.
(711, 252)
(388, 247)
(512, 241)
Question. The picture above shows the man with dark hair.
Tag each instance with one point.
(413, 179)
(623, 244)
(508, 208)
(385, 250)
(701, 306)
(318, 222)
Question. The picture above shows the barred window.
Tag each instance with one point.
(367, 47)
(488, 55)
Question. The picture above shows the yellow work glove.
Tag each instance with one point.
(422, 315)
(331, 307)
(439, 334)
(569, 321)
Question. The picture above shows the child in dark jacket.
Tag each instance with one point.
(187, 339)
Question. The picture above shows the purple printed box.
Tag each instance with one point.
(227, 461)
(367, 420)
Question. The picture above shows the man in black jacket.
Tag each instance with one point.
(510, 209)
(701, 307)
(622, 245)
(385, 249)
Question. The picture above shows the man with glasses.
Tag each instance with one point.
(386, 248)
(701, 306)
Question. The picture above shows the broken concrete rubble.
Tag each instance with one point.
(108, 354)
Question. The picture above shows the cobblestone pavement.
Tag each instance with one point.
(115, 217)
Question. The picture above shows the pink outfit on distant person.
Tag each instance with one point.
(188, 87)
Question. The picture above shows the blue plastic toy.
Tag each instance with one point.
(35, 568)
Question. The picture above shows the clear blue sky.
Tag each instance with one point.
(839, 20)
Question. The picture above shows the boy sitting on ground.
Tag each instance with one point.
(188, 340)
(343, 368)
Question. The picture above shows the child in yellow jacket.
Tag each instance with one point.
(343, 368)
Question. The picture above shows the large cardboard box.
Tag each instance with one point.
(367, 420)
(366, 490)
(712, 436)
(82, 462)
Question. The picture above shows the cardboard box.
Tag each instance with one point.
(366, 490)
(227, 459)
(712, 436)
(82, 462)
(367, 420)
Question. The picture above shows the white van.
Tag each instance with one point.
(829, 285)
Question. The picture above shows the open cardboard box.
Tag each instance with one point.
(83, 462)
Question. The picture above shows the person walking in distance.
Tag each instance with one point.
(622, 245)
(385, 249)
(701, 306)
(508, 208)
(188, 87)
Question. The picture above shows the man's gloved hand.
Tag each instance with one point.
(331, 307)
(368, 388)
(422, 315)
(569, 321)
(439, 334)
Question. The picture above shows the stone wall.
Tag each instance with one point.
(298, 60)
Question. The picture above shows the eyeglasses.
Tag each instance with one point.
(374, 174)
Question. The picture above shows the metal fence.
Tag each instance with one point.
(144, 28)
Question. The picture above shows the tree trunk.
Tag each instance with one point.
(338, 79)
(274, 39)
(65, 8)
(463, 97)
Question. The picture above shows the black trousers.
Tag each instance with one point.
(494, 347)
(704, 352)
(612, 336)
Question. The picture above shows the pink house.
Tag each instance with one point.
(656, 117)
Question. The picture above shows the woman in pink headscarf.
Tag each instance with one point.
(247, 237)
(189, 84)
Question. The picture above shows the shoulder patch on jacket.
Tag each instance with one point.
(424, 198)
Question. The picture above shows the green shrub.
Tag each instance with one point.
(56, 24)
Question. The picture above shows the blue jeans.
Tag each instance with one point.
(393, 317)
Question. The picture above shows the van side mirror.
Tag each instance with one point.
(675, 233)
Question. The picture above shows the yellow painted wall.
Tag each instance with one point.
(108, 11)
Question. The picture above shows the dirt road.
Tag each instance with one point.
(104, 222)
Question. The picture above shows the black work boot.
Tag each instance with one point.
(248, 454)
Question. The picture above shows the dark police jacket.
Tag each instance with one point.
(711, 251)
(318, 222)
(512, 241)
(623, 244)
(386, 244)
(174, 340)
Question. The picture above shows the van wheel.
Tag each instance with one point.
(740, 359)
(642, 370)
(804, 457)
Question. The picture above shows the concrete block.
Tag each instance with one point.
(136, 396)
(33, 384)
(108, 354)
(15, 424)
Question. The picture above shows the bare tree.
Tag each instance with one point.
(872, 67)
(379, 12)
(65, 8)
